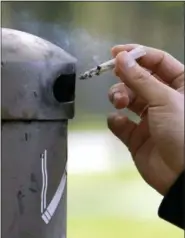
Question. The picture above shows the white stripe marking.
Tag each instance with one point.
(43, 184)
(47, 214)
(46, 220)
(56, 198)
(46, 177)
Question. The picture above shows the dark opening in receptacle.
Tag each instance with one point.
(64, 88)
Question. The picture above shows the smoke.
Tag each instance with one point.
(89, 50)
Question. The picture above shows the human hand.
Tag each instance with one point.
(157, 143)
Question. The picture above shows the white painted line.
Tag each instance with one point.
(43, 184)
(45, 219)
(56, 199)
(47, 214)
(50, 210)
(46, 177)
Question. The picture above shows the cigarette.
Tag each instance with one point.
(136, 53)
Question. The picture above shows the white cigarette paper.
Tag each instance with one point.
(135, 53)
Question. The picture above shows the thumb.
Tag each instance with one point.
(145, 85)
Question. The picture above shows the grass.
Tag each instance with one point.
(88, 123)
(113, 205)
(119, 228)
(110, 205)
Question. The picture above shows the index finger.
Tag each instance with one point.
(169, 69)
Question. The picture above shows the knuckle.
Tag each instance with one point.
(113, 90)
(119, 87)
(111, 122)
(141, 76)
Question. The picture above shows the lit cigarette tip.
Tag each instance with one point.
(135, 53)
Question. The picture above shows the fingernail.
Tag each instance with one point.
(128, 60)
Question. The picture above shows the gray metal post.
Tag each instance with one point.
(38, 91)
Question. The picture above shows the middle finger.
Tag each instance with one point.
(121, 96)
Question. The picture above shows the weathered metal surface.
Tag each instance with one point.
(38, 91)
(30, 67)
(22, 145)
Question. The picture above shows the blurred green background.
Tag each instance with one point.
(106, 196)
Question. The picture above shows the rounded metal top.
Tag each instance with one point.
(32, 68)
